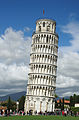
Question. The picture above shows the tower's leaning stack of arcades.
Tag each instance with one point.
(43, 66)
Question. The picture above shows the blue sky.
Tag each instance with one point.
(21, 13)
(17, 22)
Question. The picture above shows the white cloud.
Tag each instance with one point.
(14, 60)
(68, 61)
(27, 29)
(14, 47)
(72, 29)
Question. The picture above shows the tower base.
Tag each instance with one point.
(37, 105)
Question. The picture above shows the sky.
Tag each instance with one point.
(17, 23)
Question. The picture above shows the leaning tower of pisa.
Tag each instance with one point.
(43, 66)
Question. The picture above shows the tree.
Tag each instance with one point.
(9, 104)
(21, 103)
(63, 104)
(77, 99)
(60, 103)
(56, 96)
(71, 101)
(74, 99)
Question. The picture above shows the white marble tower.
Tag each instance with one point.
(43, 66)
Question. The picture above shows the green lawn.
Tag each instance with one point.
(39, 118)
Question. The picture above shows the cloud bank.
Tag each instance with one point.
(68, 62)
(15, 58)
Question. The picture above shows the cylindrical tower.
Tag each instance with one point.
(43, 65)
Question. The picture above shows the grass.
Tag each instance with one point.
(39, 118)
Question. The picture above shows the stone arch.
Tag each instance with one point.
(39, 66)
(41, 76)
(51, 59)
(49, 46)
(34, 87)
(33, 76)
(48, 56)
(50, 69)
(52, 39)
(46, 46)
(38, 46)
(43, 55)
(44, 38)
(37, 57)
(34, 66)
(45, 68)
(47, 39)
(50, 36)
(36, 39)
(49, 80)
(42, 66)
(41, 35)
(38, 76)
(43, 46)
(39, 28)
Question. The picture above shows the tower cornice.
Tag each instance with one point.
(47, 32)
(44, 53)
(50, 20)
(42, 74)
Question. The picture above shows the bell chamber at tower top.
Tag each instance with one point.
(45, 25)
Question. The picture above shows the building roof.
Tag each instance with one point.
(65, 101)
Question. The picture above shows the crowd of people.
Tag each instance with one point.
(10, 113)
(57, 112)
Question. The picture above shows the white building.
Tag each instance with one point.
(76, 104)
(43, 66)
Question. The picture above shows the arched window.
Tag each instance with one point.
(37, 56)
(45, 93)
(33, 76)
(39, 66)
(39, 28)
(43, 24)
(47, 39)
(52, 26)
(36, 66)
(45, 66)
(48, 28)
